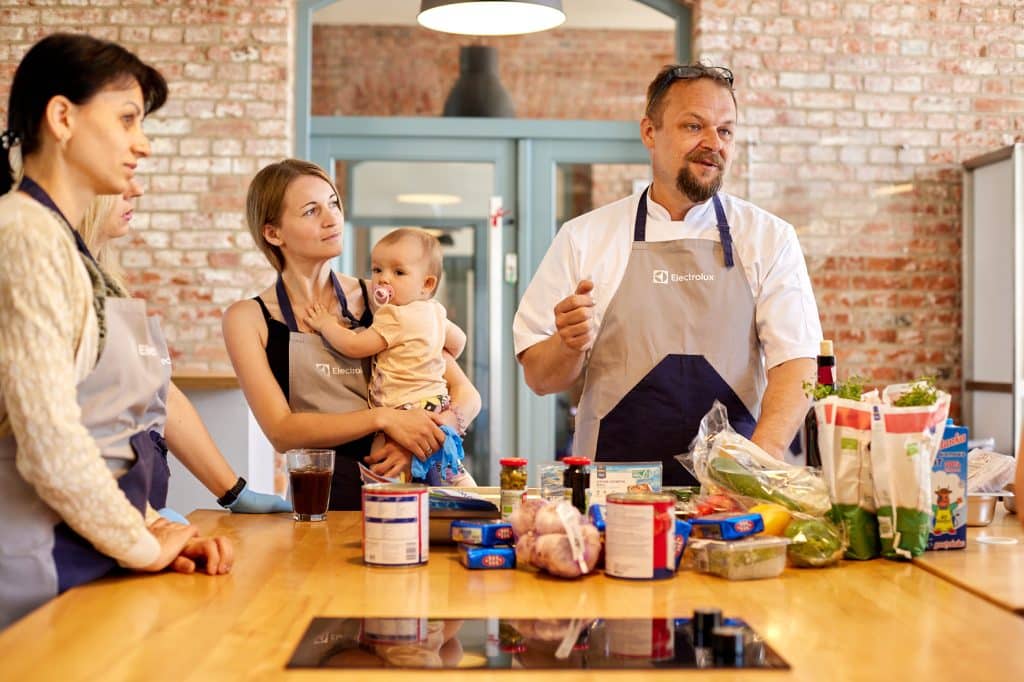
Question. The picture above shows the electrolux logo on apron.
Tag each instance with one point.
(328, 370)
(664, 277)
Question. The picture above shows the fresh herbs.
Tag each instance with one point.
(922, 392)
(851, 389)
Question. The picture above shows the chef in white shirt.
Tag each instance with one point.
(675, 297)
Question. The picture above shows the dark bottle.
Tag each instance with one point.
(826, 377)
(576, 479)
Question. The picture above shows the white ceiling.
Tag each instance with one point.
(595, 14)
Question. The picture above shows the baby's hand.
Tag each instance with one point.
(317, 317)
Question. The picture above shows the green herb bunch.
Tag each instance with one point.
(851, 389)
(922, 392)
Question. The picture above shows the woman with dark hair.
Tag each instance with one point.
(83, 372)
(303, 393)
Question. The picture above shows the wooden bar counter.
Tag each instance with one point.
(861, 621)
(992, 571)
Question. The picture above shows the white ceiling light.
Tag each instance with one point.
(429, 199)
(491, 17)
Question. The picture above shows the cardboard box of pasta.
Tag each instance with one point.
(949, 491)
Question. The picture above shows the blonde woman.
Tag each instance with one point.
(302, 392)
(108, 218)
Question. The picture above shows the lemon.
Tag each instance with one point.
(776, 517)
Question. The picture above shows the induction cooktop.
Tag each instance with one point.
(705, 640)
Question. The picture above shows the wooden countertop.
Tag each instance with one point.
(995, 572)
(210, 381)
(870, 620)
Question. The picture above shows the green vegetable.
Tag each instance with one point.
(816, 543)
(851, 389)
(921, 393)
(813, 498)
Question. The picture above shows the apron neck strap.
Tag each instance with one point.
(286, 305)
(723, 231)
(640, 224)
(32, 188)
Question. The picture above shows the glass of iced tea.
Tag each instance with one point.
(310, 472)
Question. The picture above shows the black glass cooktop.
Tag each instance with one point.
(705, 640)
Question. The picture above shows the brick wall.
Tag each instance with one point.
(843, 103)
(228, 63)
(408, 71)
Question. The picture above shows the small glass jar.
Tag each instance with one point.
(513, 485)
(577, 480)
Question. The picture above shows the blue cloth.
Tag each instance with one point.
(445, 464)
(174, 516)
(251, 502)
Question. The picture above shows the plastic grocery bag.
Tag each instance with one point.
(904, 442)
(726, 462)
(723, 458)
(844, 440)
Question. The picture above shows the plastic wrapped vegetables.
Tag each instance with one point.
(724, 458)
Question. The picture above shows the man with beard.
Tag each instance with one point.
(675, 297)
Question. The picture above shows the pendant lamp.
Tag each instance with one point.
(490, 17)
(478, 91)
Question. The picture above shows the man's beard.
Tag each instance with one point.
(694, 189)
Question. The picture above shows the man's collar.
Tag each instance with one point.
(656, 211)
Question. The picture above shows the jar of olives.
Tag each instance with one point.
(513, 485)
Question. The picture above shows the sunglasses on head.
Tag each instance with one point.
(693, 72)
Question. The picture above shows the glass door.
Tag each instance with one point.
(564, 179)
(457, 189)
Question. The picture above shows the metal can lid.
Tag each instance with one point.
(512, 462)
(641, 498)
(577, 461)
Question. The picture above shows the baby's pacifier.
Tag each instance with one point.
(382, 293)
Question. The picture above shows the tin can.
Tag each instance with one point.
(640, 536)
(396, 524)
(652, 640)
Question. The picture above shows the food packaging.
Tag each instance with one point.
(623, 477)
(904, 443)
(487, 557)
(949, 485)
(727, 526)
(844, 441)
(749, 559)
(481, 533)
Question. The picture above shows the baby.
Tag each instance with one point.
(410, 330)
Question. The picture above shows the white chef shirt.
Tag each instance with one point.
(596, 245)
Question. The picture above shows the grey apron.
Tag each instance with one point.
(678, 334)
(123, 404)
(320, 379)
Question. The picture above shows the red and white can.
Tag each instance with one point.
(640, 535)
(396, 524)
(651, 640)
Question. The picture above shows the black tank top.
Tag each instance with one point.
(346, 482)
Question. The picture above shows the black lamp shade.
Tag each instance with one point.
(478, 91)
